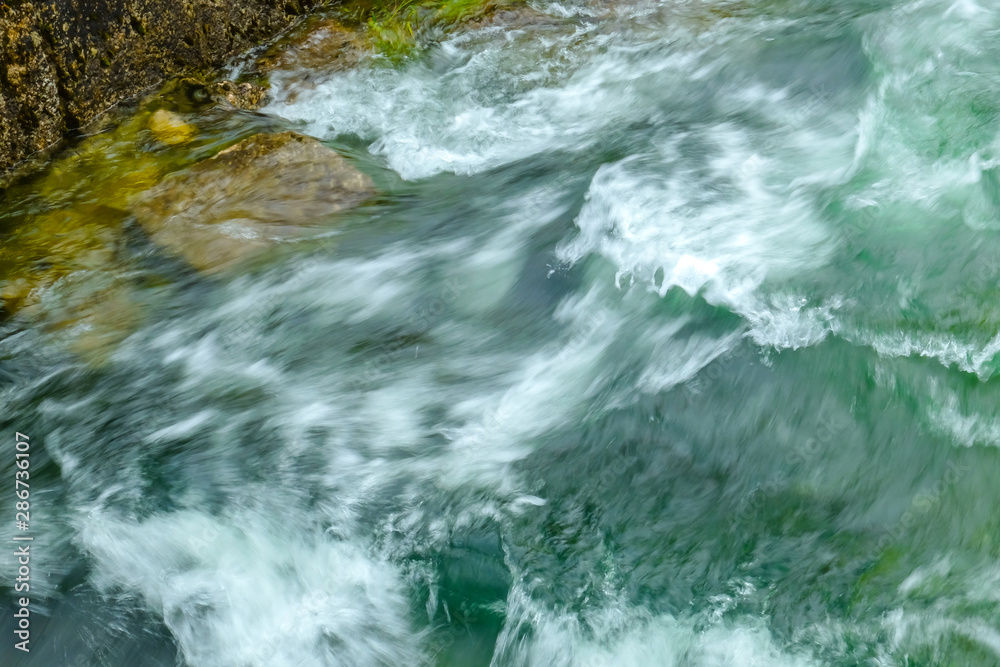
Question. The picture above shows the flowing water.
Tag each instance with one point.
(669, 340)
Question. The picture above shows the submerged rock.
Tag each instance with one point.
(232, 206)
(94, 319)
(510, 17)
(169, 128)
(322, 45)
(52, 245)
(312, 52)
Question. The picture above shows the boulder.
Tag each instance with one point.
(64, 63)
(230, 207)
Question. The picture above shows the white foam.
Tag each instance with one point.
(705, 207)
(619, 635)
(247, 590)
(546, 390)
(479, 103)
(656, 224)
(967, 429)
(674, 360)
(949, 350)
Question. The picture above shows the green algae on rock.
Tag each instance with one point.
(230, 207)
(170, 129)
(243, 95)
(398, 29)
(392, 30)
(52, 245)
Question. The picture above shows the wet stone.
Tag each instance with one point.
(53, 245)
(318, 48)
(511, 18)
(169, 128)
(231, 207)
(194, 95)
(246, 95)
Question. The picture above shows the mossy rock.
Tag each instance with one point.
(52, 245)
(189, 94)
(230, 207)
(169, 128)
(244, 95)
(114, 164)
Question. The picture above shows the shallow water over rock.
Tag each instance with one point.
(225, 209)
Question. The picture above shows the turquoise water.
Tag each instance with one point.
(669, 340)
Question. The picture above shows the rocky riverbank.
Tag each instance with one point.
(64, 63)
(187, 178)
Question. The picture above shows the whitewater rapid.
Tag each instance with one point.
(630, 263)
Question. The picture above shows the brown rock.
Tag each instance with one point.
(94, 321)
(322, 45)
(63, 63)
(512, 17)
(192, 94)
(30, 106)
(240, 95)
(230, 207)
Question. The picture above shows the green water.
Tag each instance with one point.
(670, 339)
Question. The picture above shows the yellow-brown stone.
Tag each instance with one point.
(169, 128)
(228, 208)
(322, 45)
